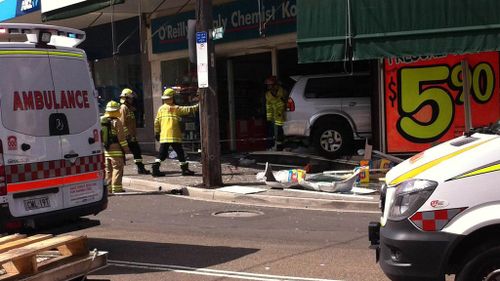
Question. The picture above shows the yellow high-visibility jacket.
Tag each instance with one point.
(116, 149)
(275, 106)
(167, 121)
(127, 117)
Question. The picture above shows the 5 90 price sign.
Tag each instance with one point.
(424, 101)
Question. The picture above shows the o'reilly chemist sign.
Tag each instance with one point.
(240, 20)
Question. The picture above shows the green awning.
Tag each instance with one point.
(336, 30)
(78, 9)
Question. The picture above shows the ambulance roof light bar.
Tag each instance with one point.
(41, 33)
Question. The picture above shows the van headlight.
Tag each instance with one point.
(410, 195)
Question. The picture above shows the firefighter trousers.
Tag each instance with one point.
(114, 173)
(136, 150)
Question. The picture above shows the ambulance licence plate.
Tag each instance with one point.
(36, 203)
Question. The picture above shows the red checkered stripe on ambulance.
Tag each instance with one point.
(434, 220)
(53, 169)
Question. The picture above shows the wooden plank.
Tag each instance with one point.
(24, 241)
(45, 245)
(22, 261)
(10, 238)
(71, 270)
(18, 267)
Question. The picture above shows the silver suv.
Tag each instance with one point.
(331, 110)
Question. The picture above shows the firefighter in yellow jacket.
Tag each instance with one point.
(115, 146)
(168, 131)
(275, 112)
(127, 117)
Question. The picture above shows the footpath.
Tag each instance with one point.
(240, 186)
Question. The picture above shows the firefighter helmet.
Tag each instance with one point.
(271, 80)
(127, 93)
(168, 94)
(112, 106)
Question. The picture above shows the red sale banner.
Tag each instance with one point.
(424, 101)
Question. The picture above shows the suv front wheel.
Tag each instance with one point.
(332, 138)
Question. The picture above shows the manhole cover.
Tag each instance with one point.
(237, 214)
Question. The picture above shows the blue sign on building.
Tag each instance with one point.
(7, 9)
(241, 20)
(27, 6)
(14, 8)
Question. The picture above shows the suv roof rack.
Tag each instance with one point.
(41, 33)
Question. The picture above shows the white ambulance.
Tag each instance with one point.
(441, 212)
(51, 157)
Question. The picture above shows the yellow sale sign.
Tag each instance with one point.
(424, 102)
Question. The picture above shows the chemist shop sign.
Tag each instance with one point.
(240, 20)
(424, 101)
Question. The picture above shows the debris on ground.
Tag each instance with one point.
(328, 181)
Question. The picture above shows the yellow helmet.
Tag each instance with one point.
(112, 106)
(127, 93)
(168, 94)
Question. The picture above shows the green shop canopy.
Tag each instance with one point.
(339, 30)
(78, 9)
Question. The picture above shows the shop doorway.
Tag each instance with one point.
(248, 75)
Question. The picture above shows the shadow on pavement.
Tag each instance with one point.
(197, 256)
(56, 227)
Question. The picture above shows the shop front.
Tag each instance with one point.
(254, 46)
(423, 97)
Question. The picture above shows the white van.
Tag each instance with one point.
(51, 157)
(441, 212)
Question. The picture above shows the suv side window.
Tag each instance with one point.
(338, 87)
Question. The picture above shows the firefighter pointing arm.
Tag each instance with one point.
(115, 145)
(168, 131)
(127, 117)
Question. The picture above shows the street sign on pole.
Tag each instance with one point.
(218, 33)
(202, 59)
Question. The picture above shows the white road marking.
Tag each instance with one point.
(211, 272)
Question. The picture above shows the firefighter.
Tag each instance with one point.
(127, 117)
(275, 112)
(115, 146)
(168, 131)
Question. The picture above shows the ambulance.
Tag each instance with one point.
(51, 156)
(441, 212)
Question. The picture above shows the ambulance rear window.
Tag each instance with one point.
(25, 93)
(72, 80)
(38, 87)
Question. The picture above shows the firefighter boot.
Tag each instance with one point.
(141, 170)
(185, 170)
(156, 170)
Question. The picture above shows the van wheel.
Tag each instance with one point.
(481, 265)
(332, 139)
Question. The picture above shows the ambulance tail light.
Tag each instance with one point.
(410, 195)
(3, 185)
(290, 105)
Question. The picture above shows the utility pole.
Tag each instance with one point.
(209, 110)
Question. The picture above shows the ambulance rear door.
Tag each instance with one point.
(80, 144)
(29, 131)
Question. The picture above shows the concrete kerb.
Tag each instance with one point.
(138, 186)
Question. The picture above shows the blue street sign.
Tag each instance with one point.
(201, 37)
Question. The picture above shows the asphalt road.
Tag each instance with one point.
(168, 237)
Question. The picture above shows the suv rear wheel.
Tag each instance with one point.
(332, 138)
